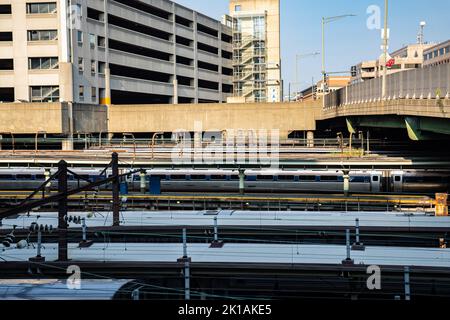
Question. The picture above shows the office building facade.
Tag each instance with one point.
(157, 52)
(407, 58)
(436, 55)
(256, 50)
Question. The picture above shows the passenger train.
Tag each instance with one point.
(264, 180)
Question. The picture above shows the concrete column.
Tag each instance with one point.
(310, 139)
(174, 54)
(346, 183)
(46, 177)
(143, 181)
(195, 57)
(220, 62)
(175, 90)
(67, 144)
(107, 98)
(241, 181)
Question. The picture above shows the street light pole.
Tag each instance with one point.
(323, 48)
(297, 58)
(326, 20)
(385, 49)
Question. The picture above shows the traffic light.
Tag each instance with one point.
(354, 71)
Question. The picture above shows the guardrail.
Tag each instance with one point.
(424, 83)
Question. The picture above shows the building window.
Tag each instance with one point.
(93, 66)
(237, 25)
(447, 49)
(101, 67)
(80, 64)
(441, 51)
(6, 36)
(94, 94)
(237, 8)
(259, 27)
(43, 63)
(101, 41)
(92, 40)
(44, 94)
(42, 35)
(79, 10)
(5, 9)
(80, 37)
(6, 64)
(81, 93)
(44, 7)
(411, 66)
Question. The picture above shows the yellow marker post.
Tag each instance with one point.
(441, 208)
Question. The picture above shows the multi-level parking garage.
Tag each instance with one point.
(157, 52)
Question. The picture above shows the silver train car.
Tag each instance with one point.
(264, 180)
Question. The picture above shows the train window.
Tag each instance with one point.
(198, 177)
(265, 178)
(328, 178)
(136, 178)
(250, 178)
(218, 177)
(286, 178)
(397, 178)
(6, 177)
(23, 177)
(375, 178)
(40, 177)
(234, 177)
(417, 179)
(359, 179)
(178, 177)
(307, 178)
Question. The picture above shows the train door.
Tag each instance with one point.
(375, 182)
(397, 181)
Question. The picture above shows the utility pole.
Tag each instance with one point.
(115, 189)
(385, 49)
(324, 76)
(62, 211)
(297, 58)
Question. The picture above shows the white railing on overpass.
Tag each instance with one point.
(424, 83)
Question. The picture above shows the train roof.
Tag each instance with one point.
(52, 289)
(240, 218)
(239, 253)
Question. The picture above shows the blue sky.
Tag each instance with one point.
(349, 41)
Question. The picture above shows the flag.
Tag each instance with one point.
(390, 63)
